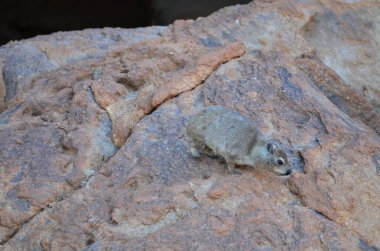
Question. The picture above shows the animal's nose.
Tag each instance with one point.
(289, 171)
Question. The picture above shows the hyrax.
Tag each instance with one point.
(218, 131)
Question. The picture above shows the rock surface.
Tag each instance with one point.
(94, 153)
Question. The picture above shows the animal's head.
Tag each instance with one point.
(279, 160)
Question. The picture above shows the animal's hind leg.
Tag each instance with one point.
(210, 153)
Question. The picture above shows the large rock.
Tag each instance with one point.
(95, 155)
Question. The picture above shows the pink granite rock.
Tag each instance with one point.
(94, 153)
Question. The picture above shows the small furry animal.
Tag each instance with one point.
(218, 131)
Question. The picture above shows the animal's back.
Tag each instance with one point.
(226, 132)
(198, 124)
(231, 134)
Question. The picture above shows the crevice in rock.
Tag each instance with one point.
(344, 97)
(376, 162)
(301, 161)
(6, 113)
(296, 194)
(321, 214)
(363, 245)
(49, 205)
(3, 242)
(325, 247)
(166, 80)
(187, 91)
(320, 120)
(100, 107)
(294, 190)
(84, 182)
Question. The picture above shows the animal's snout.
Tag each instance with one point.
(282, 172)
(288, 172)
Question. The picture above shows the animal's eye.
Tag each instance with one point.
(280, 162)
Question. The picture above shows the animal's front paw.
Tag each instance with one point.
(194, 153)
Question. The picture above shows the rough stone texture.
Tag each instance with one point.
(345, 98)
(20, 61)
(347, 42)
(94, 153)
(2, 89)
(54, 135)
(154, 72)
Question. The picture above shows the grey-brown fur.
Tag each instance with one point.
(218, 131)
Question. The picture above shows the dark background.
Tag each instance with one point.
(21, 19)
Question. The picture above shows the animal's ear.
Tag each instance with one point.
(271, 148)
